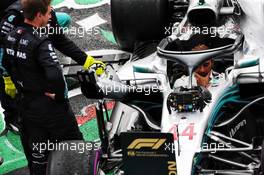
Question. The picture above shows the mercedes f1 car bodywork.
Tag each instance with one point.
(218, 130)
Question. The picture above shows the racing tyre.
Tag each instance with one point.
(138, 21)
(62, 162)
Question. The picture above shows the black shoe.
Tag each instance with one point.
(1, 160)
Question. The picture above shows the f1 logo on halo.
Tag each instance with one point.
(145, 142)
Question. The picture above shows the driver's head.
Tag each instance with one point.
(206, 68)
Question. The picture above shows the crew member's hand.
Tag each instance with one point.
(99, 65)
(10, 88)
(50, 95)
(202, 81)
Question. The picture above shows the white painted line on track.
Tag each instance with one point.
(10, 146)
(66, 60)
(92, 21)
(106, 52)
(74, 92)
(14, 160)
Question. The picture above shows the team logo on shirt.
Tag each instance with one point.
(21, 55)
(11, 18)
(18, 54)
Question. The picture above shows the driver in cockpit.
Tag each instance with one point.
(203, 75)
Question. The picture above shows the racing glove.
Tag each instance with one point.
(90, 61)
(10, 88)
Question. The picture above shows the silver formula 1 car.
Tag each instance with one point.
(156, 128)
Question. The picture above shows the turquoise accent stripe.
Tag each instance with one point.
(66, 91)
(229, 95)
(248, 62)
(108, 35)
(86, 2)
(229, 91)
(219, 105)
(56, 2)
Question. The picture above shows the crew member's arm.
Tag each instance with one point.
(10, 21)
(68, 47)
(49, 62)
(64, 44)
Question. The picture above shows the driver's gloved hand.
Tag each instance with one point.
(90, 61)
(206, 94)
(10, 88)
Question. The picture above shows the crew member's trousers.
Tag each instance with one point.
(45, 123)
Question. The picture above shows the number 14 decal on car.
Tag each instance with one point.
(187, 132)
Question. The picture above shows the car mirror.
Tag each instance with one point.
(247, 62)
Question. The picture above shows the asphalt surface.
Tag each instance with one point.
(91, 41)
(88, 42)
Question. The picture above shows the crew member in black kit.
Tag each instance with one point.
(35, 70)
(13, 17)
